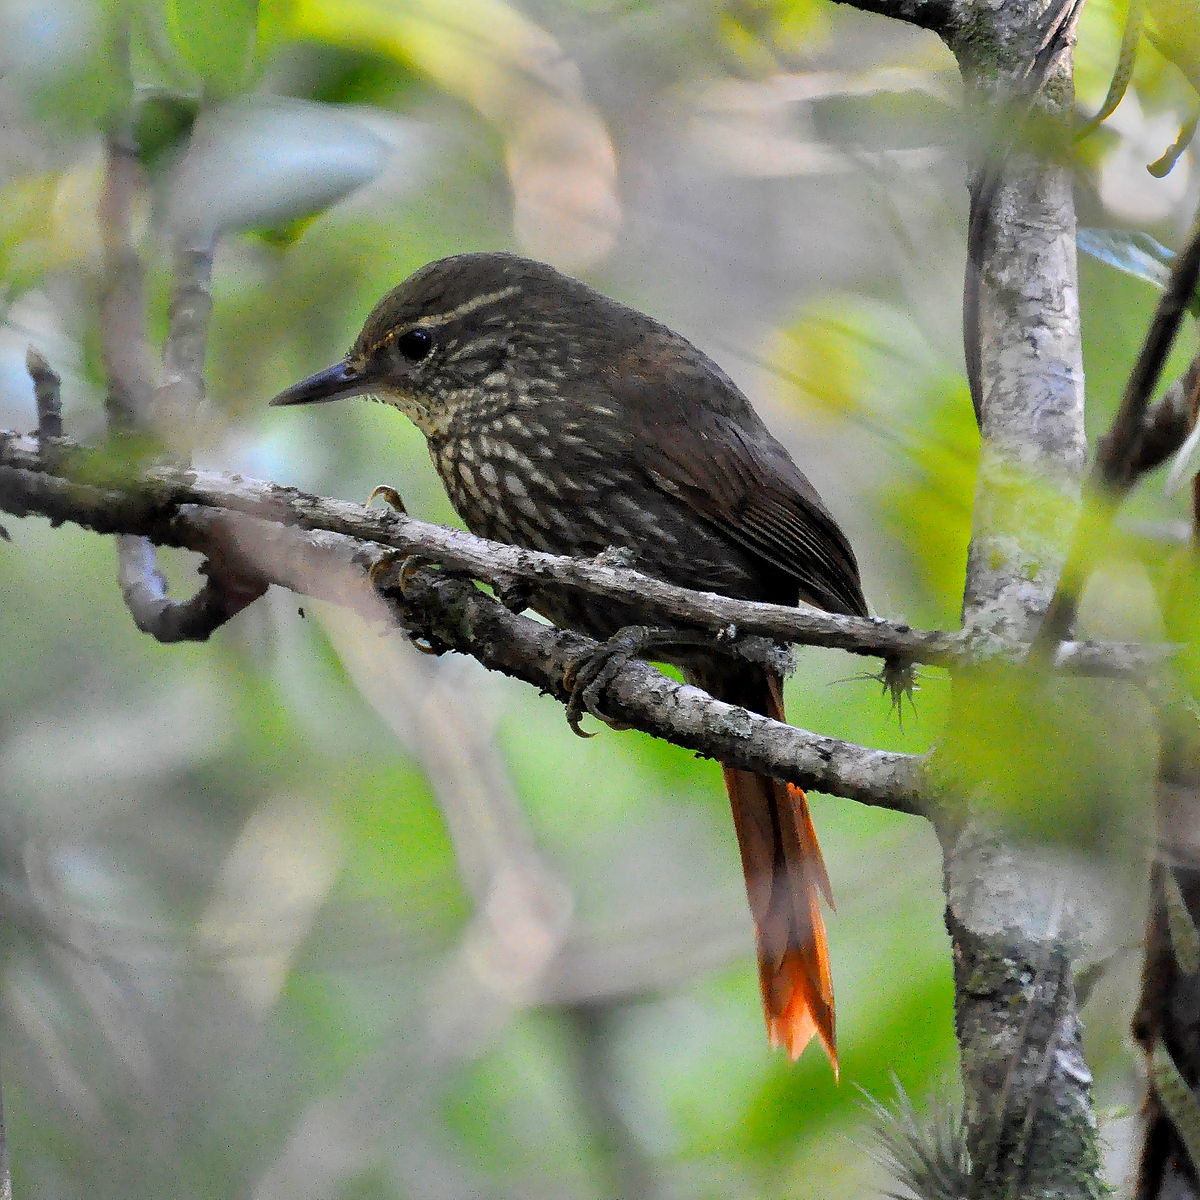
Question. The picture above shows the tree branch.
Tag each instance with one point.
(52, 481)
(1013, 917)
(453, 612)
(134, 405)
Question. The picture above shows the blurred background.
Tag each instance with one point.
(304, 913)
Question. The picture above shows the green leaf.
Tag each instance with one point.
(1174, 28)
(216, 39)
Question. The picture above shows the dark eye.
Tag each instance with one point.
(415, 344)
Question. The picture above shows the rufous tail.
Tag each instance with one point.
(785, 880)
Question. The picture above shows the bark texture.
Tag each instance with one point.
(1012, 910)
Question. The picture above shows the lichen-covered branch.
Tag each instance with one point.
(51, 481)
(454, 613)
(1012, 909)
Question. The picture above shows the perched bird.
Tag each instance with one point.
(561, 420)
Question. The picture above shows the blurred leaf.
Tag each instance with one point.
(274, 22)
(27, 244)
(1161, 56)
(559, 155)
(1180, 596)
(929, 509)
(1174, 26)
(1056, 760)
(351, 76)
(797, 21)
(398, 842)
(163, 125)
(1135, 253)
(267, 161)
(75, 80)
(216, 38)
(1131, 251)
(846, 352)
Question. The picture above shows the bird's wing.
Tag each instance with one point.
(741, 480)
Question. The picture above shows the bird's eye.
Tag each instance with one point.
(415, 344)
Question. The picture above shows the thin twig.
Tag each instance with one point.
(124, 349)
(1131, 33)
(181, 393)
(133, 404)
(1162, 166)
(220, 598)
(1117, 449)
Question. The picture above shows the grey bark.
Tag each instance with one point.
(1012, 910)
(49, 480)
(454, 614)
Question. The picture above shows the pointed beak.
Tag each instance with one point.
(334, 383)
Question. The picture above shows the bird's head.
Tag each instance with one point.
(462, 328)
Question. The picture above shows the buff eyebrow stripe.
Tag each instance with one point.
(468, 306)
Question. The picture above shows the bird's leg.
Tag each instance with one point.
(588, 675)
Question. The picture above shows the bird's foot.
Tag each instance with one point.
(588, 675)
(384, 579)
(389, 496)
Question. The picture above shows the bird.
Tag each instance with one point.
(562, 420)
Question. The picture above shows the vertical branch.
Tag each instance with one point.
(182, 390)
(1024, 322)
(123, 346)
(46, 394)
(124, 349)
(134, 405)
(1010, 912)
(626, 1164)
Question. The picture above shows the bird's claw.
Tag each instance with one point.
(379, 576)
(389, 496)
(380, 567)
(409, 567)
(587, 676)
(410, 564)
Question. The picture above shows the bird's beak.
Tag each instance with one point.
(334, 383)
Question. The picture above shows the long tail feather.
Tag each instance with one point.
(785, 880)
